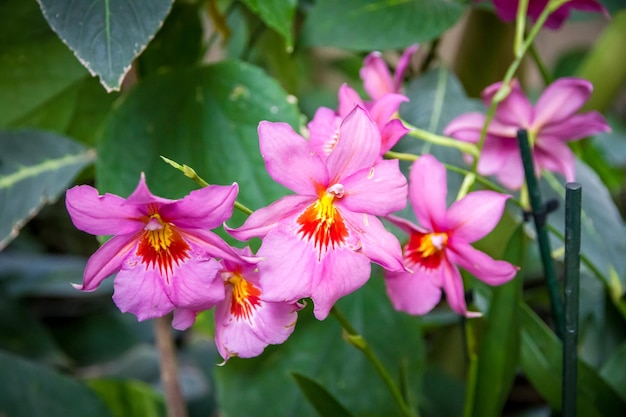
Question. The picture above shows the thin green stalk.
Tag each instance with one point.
(520, 26)
(541, 66)
(357, 340)
(539, 215)
(465, 147)
(191, 173)
(573, 193)
(505, 88)
(472, 371)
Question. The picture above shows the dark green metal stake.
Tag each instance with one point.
(539, 213)
(573, 192)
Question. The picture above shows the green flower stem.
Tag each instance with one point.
(191, 173)
(520, 26)
(541, 66)
(357, 340)
(465, 147)
(472, 371)
(174, 401)
(505, 88)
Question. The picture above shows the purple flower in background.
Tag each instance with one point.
(507, 10)
(442, 243)
(551, 123)
(162, 250)
(319, 242)
(244, 322)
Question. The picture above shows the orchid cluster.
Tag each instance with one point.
(319, 242)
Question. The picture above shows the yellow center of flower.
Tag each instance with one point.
(426, 249)
(161, 246)
(321, 222)
(245, 297)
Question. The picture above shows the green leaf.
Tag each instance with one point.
(613, 371)
(603, 231)
(35, 167)
(106, 35)
(277, 14)
(30, 390)
(204, 117)
(35, 67)
(379, 24)
(498, 353)
(323, 401)
(541, 361)
(129, 397)
(317, 349)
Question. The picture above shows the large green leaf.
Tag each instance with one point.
(31, 390)
(379, 24)
(204, 117)
(498, 353)
(317, 350)
(319, 397)
(603, 231)
(541, 361)
(35, 67)
(129, 398)
(106, 35)
(278, 14)
(35, 167)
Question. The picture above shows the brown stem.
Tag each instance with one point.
(174, 401)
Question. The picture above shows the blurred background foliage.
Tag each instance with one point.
(198, 76)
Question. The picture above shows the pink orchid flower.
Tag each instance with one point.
(244, 322)
(443, 243)
(507, 10)
(324, 127)
(161, 249)
(377, 79)
(551, 123)
(319, 242)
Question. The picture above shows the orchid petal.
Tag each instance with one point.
(576, 127)
(427, 191)
(380, 190)
(288, 158)
(196, 284)
(358, 146)
(479, 264)
(142, 195)
(452, 284)
(140, 292)
(183, 318)
(290, 263)
(515, 109)
(107, 260)
(466, 127)
(348, 100)
(206, 208)
(259, 223)
(213, 245)
(376, 77)
(476, 214)
(501, 156)
(415, 292)
(383, 109)
(403, 64)
(378, 244)
(405, 225)
(340, 273)
(102, 214)
(324, 131)
(560, 100)
(391, 133)
(555, 156)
